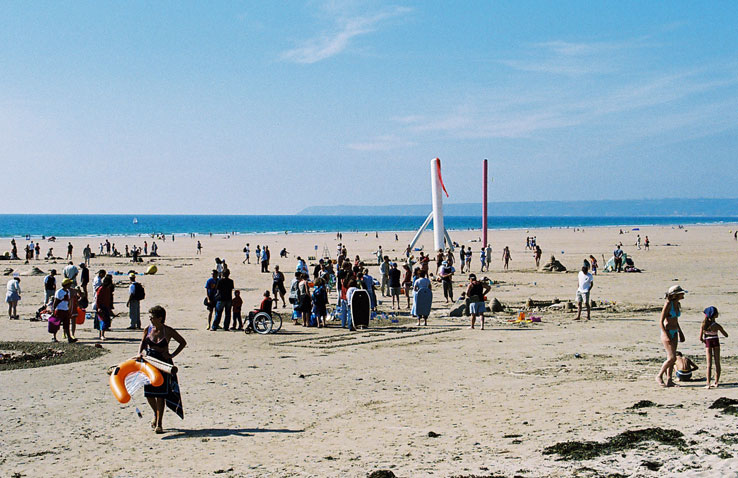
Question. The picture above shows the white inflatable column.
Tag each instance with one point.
(438, 229)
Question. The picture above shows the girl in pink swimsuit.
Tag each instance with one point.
(709, 336)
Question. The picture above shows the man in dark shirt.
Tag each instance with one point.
(394, 284)
(618, 254)
(317, 269)
(84, 277)
(223, 301)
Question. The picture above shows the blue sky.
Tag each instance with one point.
(269, 107)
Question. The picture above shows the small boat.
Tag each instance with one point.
(135, 220)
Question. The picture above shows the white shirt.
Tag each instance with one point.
(70, 271)
(14, 286)
(63, 304)
(97, 283)
(585, 281)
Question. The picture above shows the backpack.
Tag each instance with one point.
(138, 292)
(294, 292)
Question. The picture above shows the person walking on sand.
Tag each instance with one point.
(586, 282)
(537, 256)
(671, 332)
(12, 296)
(407, 282)
(84, 277)
(70, 272)
(482, 259)
(61, 307)
(395, 282)
(70, 247)
(421, 282)
(506, 256)
(709, 336)
(87, 254)
(647, 243)
(475, 294)
(593, 261)
(247, 253)
(223, 301)
(278, 289)
(462, 258)
(638, 242)
(135, 296)
(155, 344)
(49, 286)
(210, 295)
(265, 259)
(446, 275)
(384, 269)
(105, 302)
(199, 248)
(488, 255)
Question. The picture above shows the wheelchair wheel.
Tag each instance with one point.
(276, 322)
(262, 323)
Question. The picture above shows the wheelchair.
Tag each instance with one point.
(264, 323)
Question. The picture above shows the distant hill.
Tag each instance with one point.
(636, 207)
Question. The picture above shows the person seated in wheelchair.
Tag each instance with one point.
(265, 306)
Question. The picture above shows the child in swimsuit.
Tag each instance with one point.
(709, 336)
(684, 367)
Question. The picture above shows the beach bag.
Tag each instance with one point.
(294, 292)
(54, 323)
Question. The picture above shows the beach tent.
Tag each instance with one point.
(610, 266)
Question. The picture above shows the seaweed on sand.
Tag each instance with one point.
(578, 450)
(19, 355)
(729, 406)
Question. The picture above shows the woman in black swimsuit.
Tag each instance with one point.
(155, 343)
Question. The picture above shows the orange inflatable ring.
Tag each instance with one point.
(118, 377)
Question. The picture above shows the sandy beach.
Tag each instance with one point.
(333, 403)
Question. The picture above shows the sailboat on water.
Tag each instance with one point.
(135, 220)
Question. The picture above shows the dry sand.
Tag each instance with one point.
(310, 402)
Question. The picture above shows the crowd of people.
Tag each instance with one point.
(309, 293)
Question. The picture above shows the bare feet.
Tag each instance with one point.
(670, 383)
(159, 430)
(660, 381)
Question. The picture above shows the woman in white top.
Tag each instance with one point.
(12, 297)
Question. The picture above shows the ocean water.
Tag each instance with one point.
(19, 225)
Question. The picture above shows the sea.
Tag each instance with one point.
(68, 225)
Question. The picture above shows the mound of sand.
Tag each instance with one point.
(554, 266)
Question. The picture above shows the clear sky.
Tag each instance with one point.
(269, 107)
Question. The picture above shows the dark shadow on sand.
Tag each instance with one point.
(175, 433)
(700, 383)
